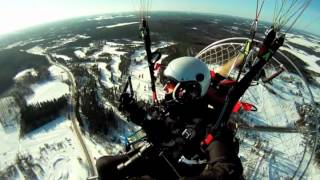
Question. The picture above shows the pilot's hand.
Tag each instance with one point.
(225, 144)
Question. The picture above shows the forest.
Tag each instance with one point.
(36, 115)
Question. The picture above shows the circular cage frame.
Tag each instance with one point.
(234, 44)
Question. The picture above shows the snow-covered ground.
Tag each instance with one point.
(314, 171)
(309, 59)
(271, 155)
(9, 131)
(274, 155)
(51, 89)
(279, 154)
(111, 48)
(102, 149)
(80, 54)
(64, 41)
(139, 68)
(306, 42)
(276, 102)
(37, 50)
(139, 71)
(117, 25)
(46, 91)
(58, 73)
(23, 43)
(105, 75)
(52, 150)
(40, 50)
(312, 43)
(55, 151)
(267, 155)
(64, 57)
(25, 72)
(107, 17)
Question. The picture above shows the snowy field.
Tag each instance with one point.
(270, 155)
(47, 91)
(55, 151)
(9, 131)
(64, 57)
(278, 109)
(41, 50)
(117, 25)
(52, 151)
(107, 17)
(26, 72)
(139, 71)
(267, 155)
(312, 43)
(51, 89)
(58, 73)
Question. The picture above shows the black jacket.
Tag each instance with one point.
(167, 124)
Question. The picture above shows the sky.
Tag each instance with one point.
(19, 14)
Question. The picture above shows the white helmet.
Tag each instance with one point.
(189, 73)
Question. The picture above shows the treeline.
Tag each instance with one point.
(25, 164)
(9, 172)
(36, 115)
(78, 71)
(113, 94)
(42, 74)
(12, 61)
(99, 118)
(124, 64)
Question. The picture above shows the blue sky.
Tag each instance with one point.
(17, 14)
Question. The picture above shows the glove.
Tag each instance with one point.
(224, 135)
(224, 144)
(107, 166)
(126, 102)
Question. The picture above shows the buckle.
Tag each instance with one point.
(188, 133)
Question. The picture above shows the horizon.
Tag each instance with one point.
(36, 12)
(40, 25)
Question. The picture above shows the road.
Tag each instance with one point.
(271, 129)
(92, 170)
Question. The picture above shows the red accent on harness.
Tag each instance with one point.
(245, 106)
(227, 82)
(208, 139)
(156, 66)
(213, 74)
(236, 107)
